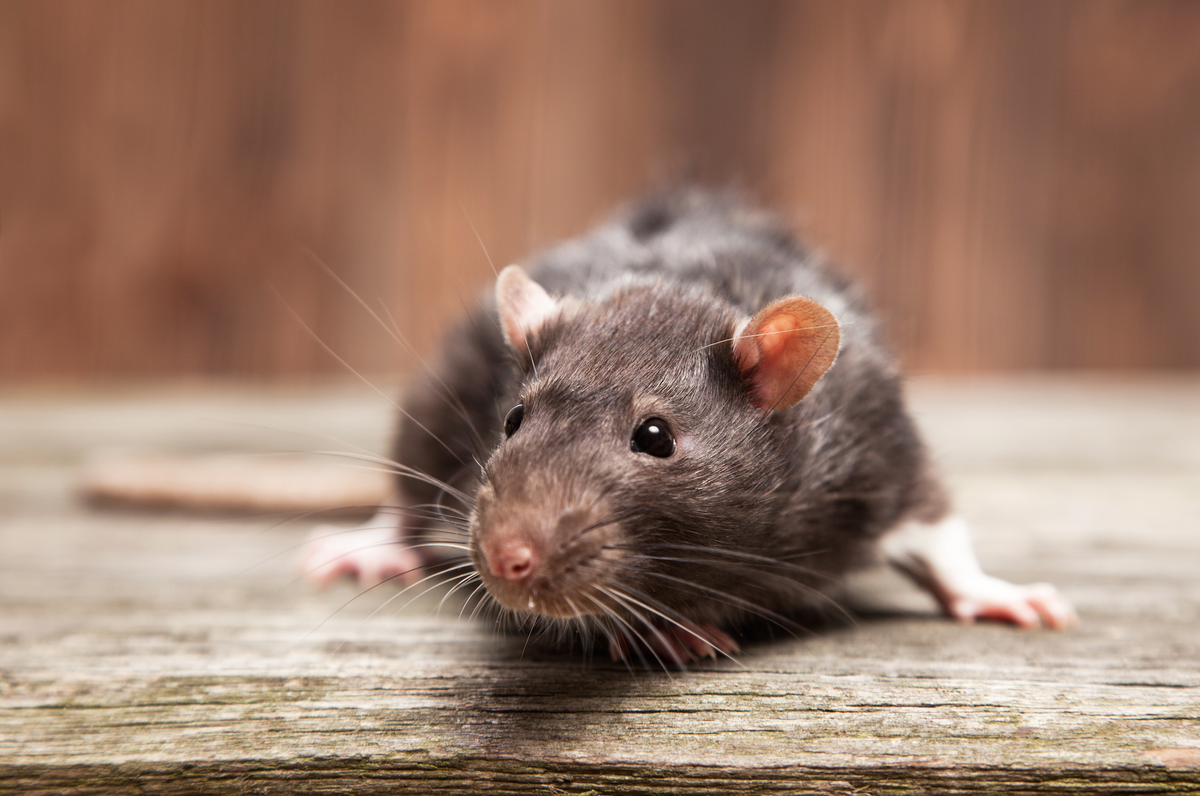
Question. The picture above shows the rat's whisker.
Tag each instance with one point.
(449, 395)
(343, 606)
(619, 595)
(750, 558)
(471, 596)
(413, 585)
(664, 644)
(363, 378)
(774, 332)
(749, 607)
(633, 635)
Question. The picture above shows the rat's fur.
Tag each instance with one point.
(651, 302)
(790, 457)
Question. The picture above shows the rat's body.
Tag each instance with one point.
(656, 436)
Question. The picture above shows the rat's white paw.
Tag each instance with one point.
(371, 555)
(939, 556)
(985, 597)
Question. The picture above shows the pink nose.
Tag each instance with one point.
(515, 561)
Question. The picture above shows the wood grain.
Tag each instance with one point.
(170, 654)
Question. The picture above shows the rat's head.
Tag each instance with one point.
(642, 422)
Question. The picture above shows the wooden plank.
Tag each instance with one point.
(172, 654)
(1015, 182)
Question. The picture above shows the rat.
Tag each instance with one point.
(657, 432)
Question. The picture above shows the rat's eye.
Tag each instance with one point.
(512, 421)
(653, 437)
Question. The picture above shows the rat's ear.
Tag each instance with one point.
(784, 349)
(524, 306)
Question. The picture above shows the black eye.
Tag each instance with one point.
(653, 437)
(512, 421)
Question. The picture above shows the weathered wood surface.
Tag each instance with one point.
(143, 652)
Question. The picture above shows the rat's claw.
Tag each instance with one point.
(1053, 608)
(939, 556)
(371, 555)
(707, 640)
(1029, 606)
(668, 645)
(681, 644)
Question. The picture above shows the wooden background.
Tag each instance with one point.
(1017, 181)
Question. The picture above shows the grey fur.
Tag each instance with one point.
(663, 285)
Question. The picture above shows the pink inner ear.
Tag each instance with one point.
(524, 306)
(774, 336)
(785, 349)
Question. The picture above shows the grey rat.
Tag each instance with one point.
(662, 429)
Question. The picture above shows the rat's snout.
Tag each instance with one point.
(513, 560)
(510, 549)
(543, 556)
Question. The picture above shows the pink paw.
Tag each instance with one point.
(1027, 606)
(371, 555)
(679, 644)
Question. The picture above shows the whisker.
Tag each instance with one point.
(470, 597)
(648, 625)
(579, 623)
(396, 468)
(751, 570)
(777, 331)
(435, 511)
(617, 594)
(416, 596)
(440, 508)
(449, 396)
(308, 572)
(330, 535)
(287, 517)
(630, 632)
(487, 599)
(414, 584)
(342, 607)
(462, 580)
(820, 346)
(598, 524)
(751, 608)
(363, 378)
(479, 238)
(752, 557)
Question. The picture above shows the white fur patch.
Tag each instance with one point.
(939, 556)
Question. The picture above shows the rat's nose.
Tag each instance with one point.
(515, 561)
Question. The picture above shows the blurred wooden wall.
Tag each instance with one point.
(1017, 181)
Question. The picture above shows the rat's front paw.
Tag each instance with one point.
(371, 555)
(679, 644)
(1029, 606)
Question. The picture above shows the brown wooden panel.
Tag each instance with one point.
(1016, 182)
